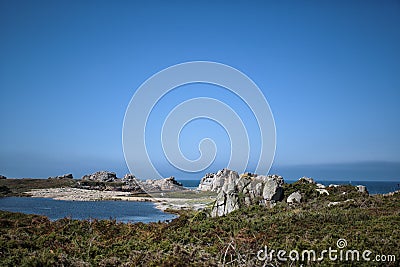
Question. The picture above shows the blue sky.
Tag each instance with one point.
(330, 71)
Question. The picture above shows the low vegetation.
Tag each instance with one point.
(195, 239)
(17, 187)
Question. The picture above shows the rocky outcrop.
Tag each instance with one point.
(151, 186)
(101, 176)
(166, 184)
(215, 181)
(78, 194)
(206, 183)
(273, 188)
(228, 197)
(104, 180)
(131, 183)
(129, 177)
(321, 186)
(246, 190)
(294, 197)
(307, 180)
(391, 193)
(362, 189)
(65, 176)
(322, 191)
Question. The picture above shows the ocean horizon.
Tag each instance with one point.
(374, 187)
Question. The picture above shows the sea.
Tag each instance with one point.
(121, 211)
(131, 211)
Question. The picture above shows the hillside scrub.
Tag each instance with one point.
(195, 239)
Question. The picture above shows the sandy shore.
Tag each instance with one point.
(77, 194)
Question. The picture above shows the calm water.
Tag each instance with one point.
(122, 211)
(374, 187)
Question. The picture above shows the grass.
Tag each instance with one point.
(17, 187)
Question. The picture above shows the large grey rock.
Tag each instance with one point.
(101, 176)
(294, 197)
(206, 183)
(273, 188)
(362, 189)
(215, 181)
(226, 203)
(307, 180)
(129, 177)
(166, 184)
(227, 199)
(131, 183)
(245, 190)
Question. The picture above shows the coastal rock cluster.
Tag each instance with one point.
(131, 183)
(215, 181)
(65, 176)
(307, 180)
(100, 181)
(101, 176)
(166, 184)
(235, 191)
(78, 194)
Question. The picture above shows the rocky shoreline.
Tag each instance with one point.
(220, 193)
(78, 194)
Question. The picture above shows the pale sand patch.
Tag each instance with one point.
(77, 194)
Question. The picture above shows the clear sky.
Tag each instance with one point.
(330, 71)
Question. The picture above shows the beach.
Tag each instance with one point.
(161, 201)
